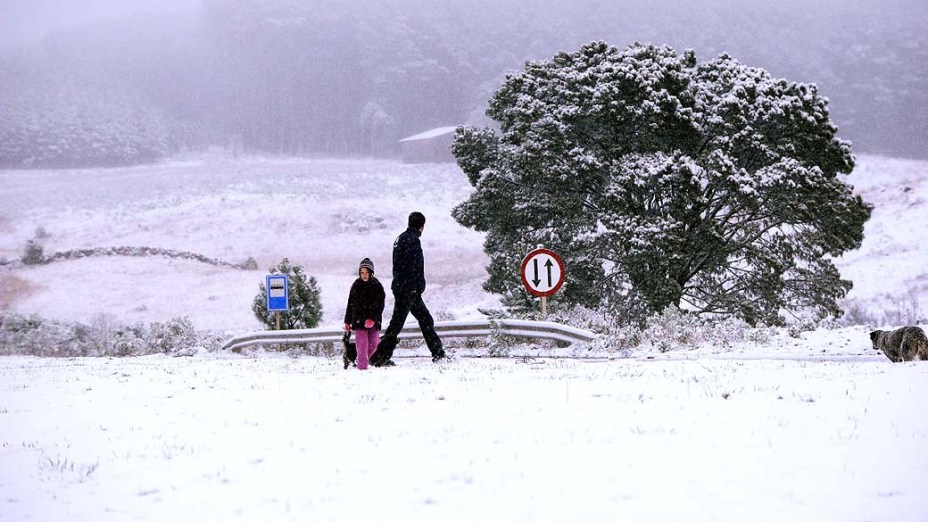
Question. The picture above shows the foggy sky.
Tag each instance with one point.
(23, 22)
(354, 76)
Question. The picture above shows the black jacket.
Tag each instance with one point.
(365, 301)
(408, 263)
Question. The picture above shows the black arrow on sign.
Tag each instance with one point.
(536, 280)
(548, 265)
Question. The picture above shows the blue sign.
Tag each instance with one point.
(278, 292)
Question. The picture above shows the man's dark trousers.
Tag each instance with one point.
(404, 303)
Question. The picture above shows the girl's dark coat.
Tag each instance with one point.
(365, 301)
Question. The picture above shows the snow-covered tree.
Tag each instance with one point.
(663, 181)
(303, 295)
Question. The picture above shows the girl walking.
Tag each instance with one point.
(364, 312)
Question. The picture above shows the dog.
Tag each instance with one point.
(905, 344)
(350, 354)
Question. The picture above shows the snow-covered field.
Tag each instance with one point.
(324, 214)
(279, 438)
(814, 427)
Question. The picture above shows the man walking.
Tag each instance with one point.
(408, 286)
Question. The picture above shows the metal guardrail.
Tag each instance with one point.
(479, 328)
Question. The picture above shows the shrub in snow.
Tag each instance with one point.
(20, 335)
(172, 337)
(856, 314)
(905, 309)
(597, 321)
(41, 233)
(303, 293)
(663, 181)
(250, 264)
(127, 340)
(497, 344)
(16, 333)
(34, 254)
(32, 335)
(672, 330)
(320, 349)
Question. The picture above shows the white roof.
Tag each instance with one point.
(429, 134)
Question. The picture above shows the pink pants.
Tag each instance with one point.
(366, 340)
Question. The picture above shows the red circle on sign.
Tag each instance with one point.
(560, 281)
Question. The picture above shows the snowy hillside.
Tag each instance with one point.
(327, 215)
(890, 271)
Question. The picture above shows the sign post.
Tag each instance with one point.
(542, 275)
(278, 295)
(277, 287)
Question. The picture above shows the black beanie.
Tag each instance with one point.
(368, 264)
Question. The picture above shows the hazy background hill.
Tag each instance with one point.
(110, 83)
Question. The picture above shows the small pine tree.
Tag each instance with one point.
(303, 293)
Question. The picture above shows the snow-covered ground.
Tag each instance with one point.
(810, 427)
(281, 438)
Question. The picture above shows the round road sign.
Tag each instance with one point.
(542, 272)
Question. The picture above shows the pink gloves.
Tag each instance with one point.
(367, 324)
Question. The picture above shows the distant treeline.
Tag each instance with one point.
(351, 78)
